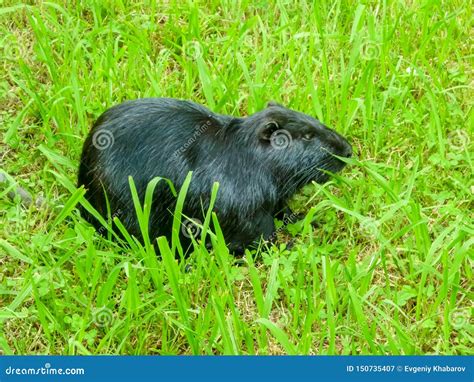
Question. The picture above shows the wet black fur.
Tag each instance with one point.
(169, 137)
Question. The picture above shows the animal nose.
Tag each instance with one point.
(347, 149)
(340, 144)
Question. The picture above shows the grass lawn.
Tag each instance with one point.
(382, 263)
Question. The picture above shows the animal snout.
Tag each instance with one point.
(346, 149)
(337, 143)
(341, 146)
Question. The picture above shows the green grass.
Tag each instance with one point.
(382, 263)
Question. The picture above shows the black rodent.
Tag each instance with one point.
(259, 162)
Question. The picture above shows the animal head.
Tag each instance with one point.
(296, 147)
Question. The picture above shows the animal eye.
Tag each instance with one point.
(272, 125)
(269, 128)
(308, 136)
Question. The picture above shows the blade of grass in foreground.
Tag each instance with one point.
(225, 327)
(259, 298)
(280, 335)
(179, 293)
(241, 331)
(272, 288)
(175, 243)
(207, 219)
(360, 316)
(143, 217)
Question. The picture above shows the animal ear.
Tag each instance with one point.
(273, 103)
(266, 132)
